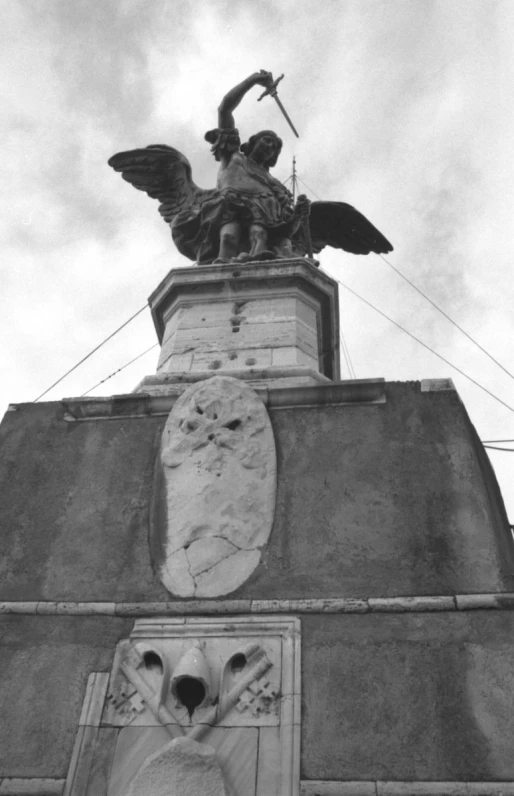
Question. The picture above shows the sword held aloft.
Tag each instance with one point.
(272, 92)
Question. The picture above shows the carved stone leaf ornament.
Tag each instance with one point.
(215, 491)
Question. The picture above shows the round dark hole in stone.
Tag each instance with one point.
(191, 692)
(210, 437)
(238, 663)
(233, 425)
(153, 661)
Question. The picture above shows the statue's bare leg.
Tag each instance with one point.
(230, 236)
(258, 239)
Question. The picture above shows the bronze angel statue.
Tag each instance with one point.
(250, 215)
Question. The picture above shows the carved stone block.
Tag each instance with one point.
(275, 323)
(214, 496)
(234, 686)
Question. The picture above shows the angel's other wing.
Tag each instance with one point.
(163, 173)
(343, 227)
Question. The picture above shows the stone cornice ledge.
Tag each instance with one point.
(14, 786)
(358, 391)
(340, 605)
(403, 788)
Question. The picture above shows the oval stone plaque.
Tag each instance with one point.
(215, 492)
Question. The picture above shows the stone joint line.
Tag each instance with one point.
(341, 605)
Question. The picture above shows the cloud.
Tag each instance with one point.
(403, 108)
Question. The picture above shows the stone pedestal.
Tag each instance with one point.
(271, 323)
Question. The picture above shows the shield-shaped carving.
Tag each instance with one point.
(215, 488)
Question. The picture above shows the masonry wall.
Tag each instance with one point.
(373, 501)
(410, 696)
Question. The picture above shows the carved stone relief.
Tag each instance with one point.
(183, 766)
(211, 704)
(214, 496)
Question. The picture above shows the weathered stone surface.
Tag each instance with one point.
(440, 685)
(45, 664)
(373, 500)
(237, 705)
(209, 344)
(283, 356)
(80, 532)
(184, 767)
(225, 318)
(134, 745)
(236, 752)
(93, 704)
(215, 500)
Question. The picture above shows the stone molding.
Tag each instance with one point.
(34, 786)
(401, 788)
(503, 601)
(436, 385)
(15, 786)
(341, 393)
(80, 779)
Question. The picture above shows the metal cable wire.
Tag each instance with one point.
(433, 303)
(91, 353)
(445, 314)
(345, 357)
(476, 383)
(346, 353)
(343, 339)
(309, 189)
(119, 370)
(424, 344)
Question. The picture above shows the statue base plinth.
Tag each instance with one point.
(272, 323)
(176, 383)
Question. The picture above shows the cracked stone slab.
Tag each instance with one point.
(214, 494)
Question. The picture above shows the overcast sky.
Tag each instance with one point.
(404, 109)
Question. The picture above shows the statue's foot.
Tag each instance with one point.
(221, 261)
(244, 257)
(264, 255)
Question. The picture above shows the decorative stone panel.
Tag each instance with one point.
(209, 702)
(215, 487)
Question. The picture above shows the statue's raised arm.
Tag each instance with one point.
(250, 215)
(231, 100)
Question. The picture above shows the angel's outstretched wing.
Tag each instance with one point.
(163, 173)
(343, 227)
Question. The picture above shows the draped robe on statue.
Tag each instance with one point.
(246, 192)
